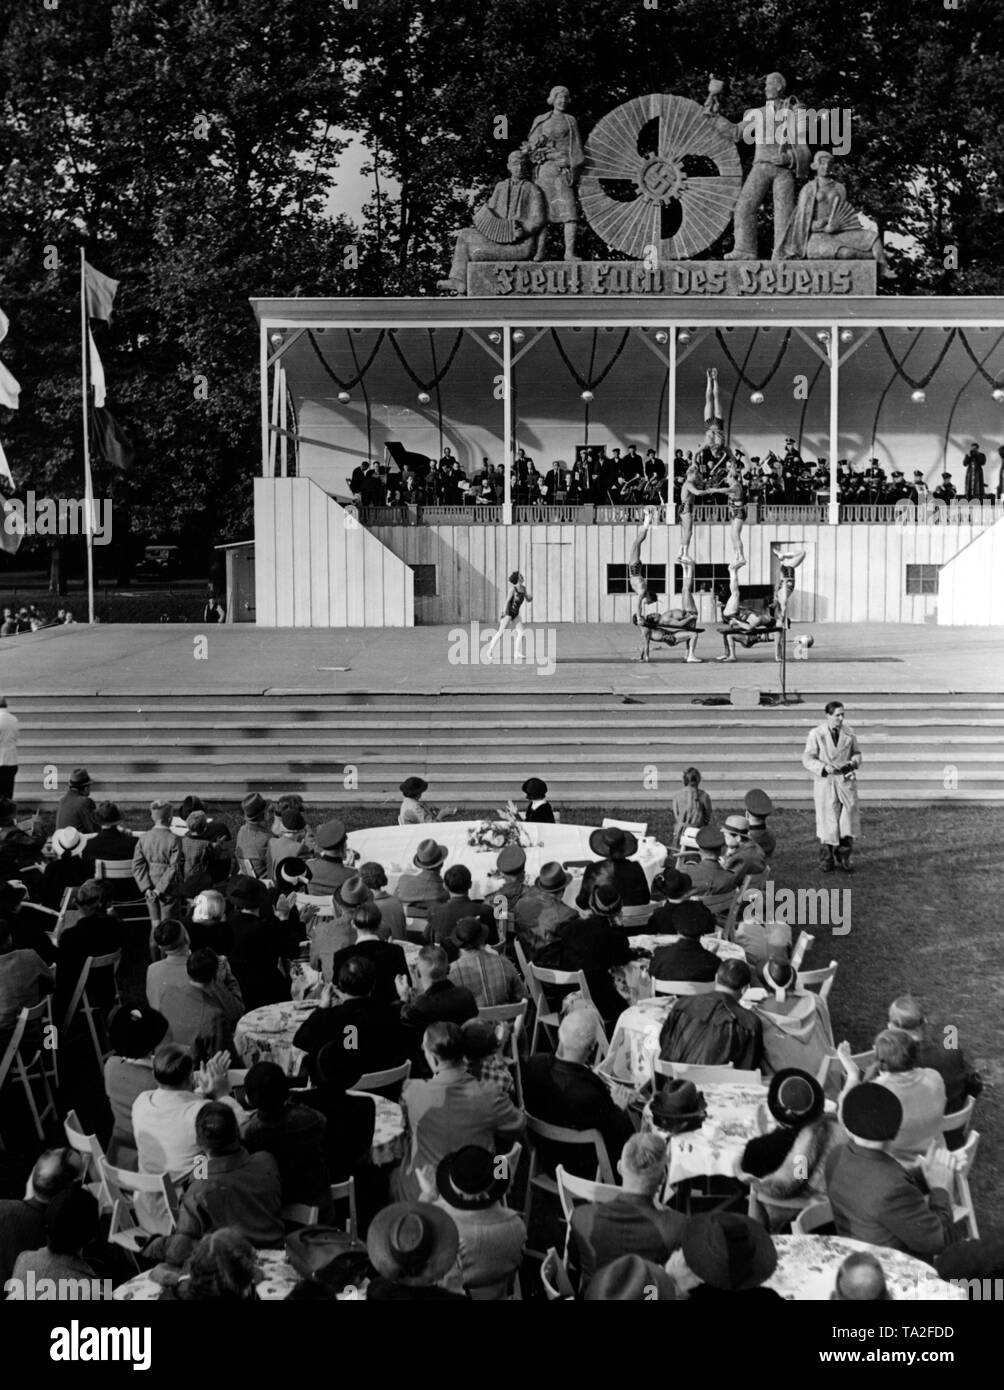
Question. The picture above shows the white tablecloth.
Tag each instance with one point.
(733, 1119)
(807, 1270)
(394, 847)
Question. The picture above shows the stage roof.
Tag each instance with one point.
(630, 310)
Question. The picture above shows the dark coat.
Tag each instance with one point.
(712, 1030)
(628, 875)
(570, 1095)
(387, 959)
(373, 1028)
(874, 1199)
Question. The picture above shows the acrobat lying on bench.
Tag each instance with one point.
(749, 630)
(667, 629)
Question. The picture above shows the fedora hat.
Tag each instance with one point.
(67, 840)
(728, 1251)
(630, 1279)
(511, 860)
(468, 932)
(693, 919)
(293, 870)
(80, 777)
(412, 1241)
(429, 855)
(314, 1250)
(738, 825)
(710, 838)
(535, 789)
(253, 805)
(611, 842)
(678, 1107)
(794, 1097)
(330, 835)
(758, 803)
(353, 892)
(466, 1179)
(552, 877)
(413, 786)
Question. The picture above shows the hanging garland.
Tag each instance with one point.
(347, 385)
(428, 386)
(590, 383)
(921, 383)
(991, 381)
(740, 371)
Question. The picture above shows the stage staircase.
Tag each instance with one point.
(613, 750)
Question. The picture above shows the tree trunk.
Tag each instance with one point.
(56, 568)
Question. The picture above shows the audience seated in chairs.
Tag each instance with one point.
(111, 842)
(356, 1032)
(920, 1091)
(389, 905)
(795, 1021)
(258, 943)
(491, 979)
(96, 932)
(19, 849)
(135, 1032)
(630, 1223)
(541, 909)
(714, 1029)
(292, 1133)
(562, 1089)
(707, 877)
(595, 945)
(387, 958)
(742, 855)
(22, 1219)
(724, 1253)
(469, 1186)
(961, 1081)
(483, 1053)
(67, 870)
(290, 843)
(223, 1268)
(436, 999)
(201, 1011)
(451, 1110)
(788, 1163)
(24, 980)
(231, 1188)
(873, 1197)
(421, 890)
(443, 917)
(686, 958)
(615, 848)
(413, 1246)
(71, 1222)
(206, 924)
(328, 868)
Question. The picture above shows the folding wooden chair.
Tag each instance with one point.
(125, 1229)
(511, 1162)
(683, 987)
(548, 1018)
(346, 1192)
(300, 1214)
(959, 1120)
(962, 1199)
(724, 1075)
(813, 1219)
(554, 1278)
(572, 1189)
(514, 1014)
(808, 979)
(81, 1000)
(379, 1080)
(118, 873)
(558, 1134)
(89, 1145)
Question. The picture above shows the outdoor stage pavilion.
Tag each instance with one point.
(341, 378)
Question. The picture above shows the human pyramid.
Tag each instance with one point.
(715, 470)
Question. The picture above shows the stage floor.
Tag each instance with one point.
(149, 659)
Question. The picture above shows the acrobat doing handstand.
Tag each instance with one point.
(676, 624)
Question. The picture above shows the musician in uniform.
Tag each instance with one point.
(946, 492)
(506, 228)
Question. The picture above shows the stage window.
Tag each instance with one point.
(922, 579)
(425, 580)
(617, 579)
(708, 579)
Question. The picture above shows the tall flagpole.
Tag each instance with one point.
(88, 484)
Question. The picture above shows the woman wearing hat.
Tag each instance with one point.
(615, 849)
(413, 1248)
(415, 811)
(538, 808)
(135, 1033)
(469, 1186)
(789, 1161)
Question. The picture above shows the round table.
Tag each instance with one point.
(735, 1116)
(266, 1035)
(807, 1270)
(278, 1277)
(394, 847)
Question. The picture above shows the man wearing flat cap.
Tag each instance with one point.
(873, 1197)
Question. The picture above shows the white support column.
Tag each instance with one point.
(671, 430)
(834, 508)
(283, 438)
(507, 422)
(263, 360)
(274, 419)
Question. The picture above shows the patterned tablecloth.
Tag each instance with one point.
(807, 1270)
(734, 1118)
(278, 1277)
(394, 847)
(266, 1035)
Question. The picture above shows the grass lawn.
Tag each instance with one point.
(923, 902)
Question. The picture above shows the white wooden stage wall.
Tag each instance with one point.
(316, 567)
(972, 586)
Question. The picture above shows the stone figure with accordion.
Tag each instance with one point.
(506, 228)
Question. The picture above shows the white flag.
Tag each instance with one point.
(97, 372)
(10, 388)
(5, 468)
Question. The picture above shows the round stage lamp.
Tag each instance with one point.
(823, 335)
(494, 336)
(587, 396)
(918, 397)
(999, 395)
(344, 397)
(756, 398)
(276, 340)
(683, 336)
(518, 335)
(846, 336)
(424, 398)
(662, 336)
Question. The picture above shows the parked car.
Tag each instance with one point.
(159, 562)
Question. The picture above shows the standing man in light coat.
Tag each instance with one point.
(833, 757)
(8, 750)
